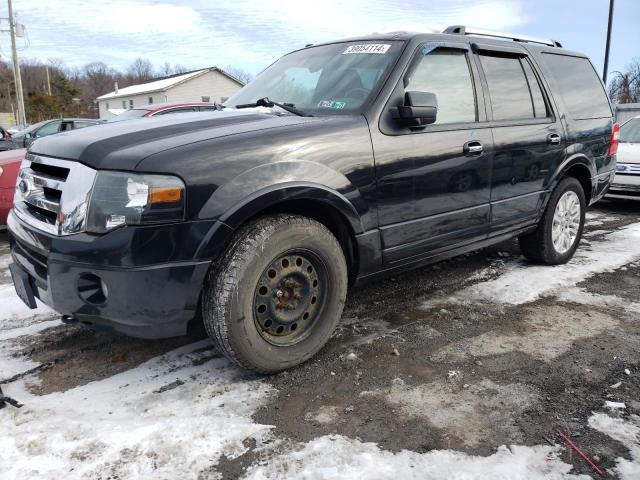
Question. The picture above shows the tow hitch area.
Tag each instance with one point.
(8, 400)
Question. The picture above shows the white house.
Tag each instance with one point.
(206, 85)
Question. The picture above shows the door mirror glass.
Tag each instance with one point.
(419, 109)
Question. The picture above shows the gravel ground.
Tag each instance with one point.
(420, 362)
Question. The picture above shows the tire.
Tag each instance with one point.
(538, 246)
(245, 307)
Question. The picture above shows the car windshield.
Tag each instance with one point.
(31, 128)
(630, 131)
(323, 80)
(129, 114)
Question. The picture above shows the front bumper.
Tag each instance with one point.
(151, 288)
(625, 184)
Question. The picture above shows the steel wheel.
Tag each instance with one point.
(289, 297)
(566, 222)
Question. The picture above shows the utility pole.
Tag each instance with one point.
(46, 67)
(22, 117)
(606, 52)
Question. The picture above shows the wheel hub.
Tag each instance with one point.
(566, 222)
(288, 297)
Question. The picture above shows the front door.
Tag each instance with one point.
(434, 182)
(528, 137)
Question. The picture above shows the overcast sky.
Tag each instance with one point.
(250, 34)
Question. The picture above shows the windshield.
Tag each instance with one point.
(31, 128)
(630, 131)
(129, 114)
(325, 79)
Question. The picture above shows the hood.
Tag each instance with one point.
(122, 145)
(628, 153)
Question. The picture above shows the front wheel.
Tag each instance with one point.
(278, 294)
(560, 229)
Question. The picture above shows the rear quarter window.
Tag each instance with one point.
(579, 85)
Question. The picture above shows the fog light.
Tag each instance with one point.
(92, 289)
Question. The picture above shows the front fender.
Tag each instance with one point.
(266, 185)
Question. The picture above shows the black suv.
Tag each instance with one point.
(340, 162)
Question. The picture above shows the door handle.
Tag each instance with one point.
(553, 138)
(473, 148)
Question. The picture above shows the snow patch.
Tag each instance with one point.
(121, 427)
(524, 282)
(580, 295)
(16, 314)
(339, 457)
(626, 432)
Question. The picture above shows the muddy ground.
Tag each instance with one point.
(412, 368)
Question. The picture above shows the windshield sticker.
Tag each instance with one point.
(331, 104)
(367, 48)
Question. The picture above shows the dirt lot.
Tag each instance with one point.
(464, 356)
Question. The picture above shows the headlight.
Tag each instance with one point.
(121, 198)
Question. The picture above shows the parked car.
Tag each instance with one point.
(9, 166)
(16, 128)
(23, 138)
(340, 163)
(627, 179)
(5, 140)
(155, 109)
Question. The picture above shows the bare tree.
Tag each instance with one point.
(240, 74)
(141, 70)
(178, 69)
(165, 69)
(98, 79)
(625, 86)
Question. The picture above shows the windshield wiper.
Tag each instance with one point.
(265, 102)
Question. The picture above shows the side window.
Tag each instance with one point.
(579, 86)
(48, 129)
(445, 72)
(540, 109)
(508, 87)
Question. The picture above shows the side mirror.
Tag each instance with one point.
(419, 109)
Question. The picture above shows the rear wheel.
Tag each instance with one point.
(278, 294)
(560, 229)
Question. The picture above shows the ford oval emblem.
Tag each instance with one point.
(23, 186)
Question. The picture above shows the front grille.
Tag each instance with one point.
(52, 194)
(628, 169)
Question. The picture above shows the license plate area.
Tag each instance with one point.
(22, 284)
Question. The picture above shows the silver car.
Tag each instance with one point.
(627, 179)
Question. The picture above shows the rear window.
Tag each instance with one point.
(579, 85)
(630, 131)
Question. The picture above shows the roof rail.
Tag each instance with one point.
(464, 30)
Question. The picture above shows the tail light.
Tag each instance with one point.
(615, 139)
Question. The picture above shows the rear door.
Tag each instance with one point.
(528, 137)
(433, 188)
